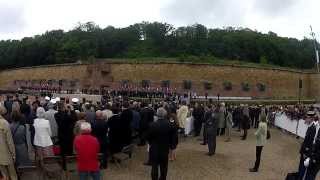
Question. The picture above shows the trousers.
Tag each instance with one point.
(258, 157)
(211, 140)
(84, 175)
(163, 165)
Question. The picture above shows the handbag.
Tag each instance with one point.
(292, 176)
(268, 134)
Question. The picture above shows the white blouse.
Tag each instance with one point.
(43, 134)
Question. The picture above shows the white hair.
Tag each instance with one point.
(40, 112)
(85, 127)
(99, 113)
(161, 113)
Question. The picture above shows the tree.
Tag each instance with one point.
(156, 39)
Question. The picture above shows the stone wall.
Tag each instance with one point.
(280, 83)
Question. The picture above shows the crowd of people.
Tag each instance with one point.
(65, 127)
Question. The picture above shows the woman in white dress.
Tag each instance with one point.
(42, 137)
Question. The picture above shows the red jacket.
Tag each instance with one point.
(87, 149)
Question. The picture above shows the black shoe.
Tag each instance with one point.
(203, 144)
(243, 138)
(253, 170)
(210, 154)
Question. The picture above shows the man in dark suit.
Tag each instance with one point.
(211, 124)
(198, 113)
(146, 117)
(100, 131)
(160, 137)
(310, 150)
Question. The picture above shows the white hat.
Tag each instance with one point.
(47, 98)
(311, 113)
(75, 100)
(53, 101)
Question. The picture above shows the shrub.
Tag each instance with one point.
(261, 87)
(207, 85)
(245, 86)
(227, 85)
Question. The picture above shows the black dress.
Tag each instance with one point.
(175, 138)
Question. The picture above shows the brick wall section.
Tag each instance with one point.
(279, 83)
(315, 86)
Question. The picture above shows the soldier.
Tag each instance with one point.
(310, 150)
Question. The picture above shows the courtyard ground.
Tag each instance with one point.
(231, 162)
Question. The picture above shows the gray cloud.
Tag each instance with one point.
(274, 7)
(11, 18)
(224, 12)
(208, 12)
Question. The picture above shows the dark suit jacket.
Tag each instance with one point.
(309, 149)
(160, 137)
(308, 141)
(146, 115)
(100, 130)
(198, 113)
(66, 123)
(211, 123)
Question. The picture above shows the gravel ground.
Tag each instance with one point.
(231, 162)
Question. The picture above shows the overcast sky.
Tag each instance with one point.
(290, 18)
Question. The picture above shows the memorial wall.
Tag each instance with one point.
(225, 80)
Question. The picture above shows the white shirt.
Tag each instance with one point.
(42, 135)
(316, 123)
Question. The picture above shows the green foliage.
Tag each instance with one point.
(245, 86)
(227, 85)
(194, 43)
(263, 60)
(261, 87)
(207, 85)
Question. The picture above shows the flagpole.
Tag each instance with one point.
(315, 48)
